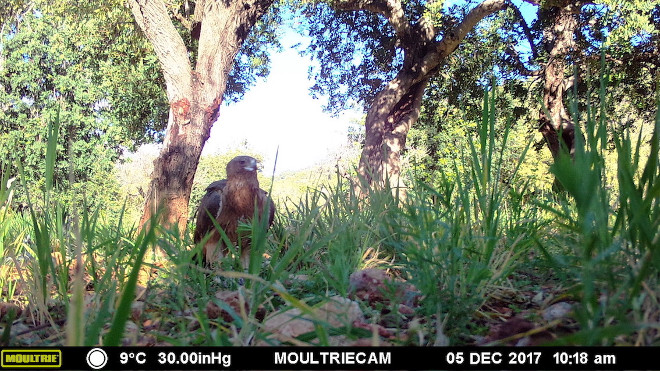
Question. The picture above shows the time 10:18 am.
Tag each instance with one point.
(566, 358)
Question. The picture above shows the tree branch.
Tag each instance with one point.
(519, 65)
(390, 9)
(453, 37)
(225, 24)
(198, 13)
(526, 30)
(155, 22)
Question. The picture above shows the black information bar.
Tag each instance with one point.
(331, 358)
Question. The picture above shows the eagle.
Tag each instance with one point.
(230, 201)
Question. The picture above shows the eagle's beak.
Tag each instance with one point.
(252, 166)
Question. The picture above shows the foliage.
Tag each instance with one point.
(98, 78)
(356, 51)
(45, 244)
(458, 242)
(253, 59)
(438, 147)
(453, 95)
(462, 236)
(629, 34)
(610, 230)
(11, 13)
(476, 222)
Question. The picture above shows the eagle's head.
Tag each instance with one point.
(242, 165)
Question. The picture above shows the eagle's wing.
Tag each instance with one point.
(211, 202)
(218, 185)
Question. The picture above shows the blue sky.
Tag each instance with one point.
(279, 112)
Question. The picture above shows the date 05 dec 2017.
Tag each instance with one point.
(493, 358)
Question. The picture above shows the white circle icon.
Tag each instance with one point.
(97, 358)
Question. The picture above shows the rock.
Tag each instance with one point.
(406, 310)
(336, 312)
(538, 298)
(232, 298)
(557, 311)
(137, 308)
(375, 286)
(367, 279)
(339, 311)
(131, 333)
(368, 285)
(515, 326)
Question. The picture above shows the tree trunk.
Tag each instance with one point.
(558, 42)
(396, 108)
(387, 127)
(195, 95)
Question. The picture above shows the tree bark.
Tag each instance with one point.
(396, 108)
(387, 127)
(195, 95)
(558, 42)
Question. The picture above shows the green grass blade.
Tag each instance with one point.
(144, 240)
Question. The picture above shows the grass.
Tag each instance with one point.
(471, 244)
(614, 237)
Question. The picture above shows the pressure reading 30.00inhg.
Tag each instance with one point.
(139, 357)
(195, 358)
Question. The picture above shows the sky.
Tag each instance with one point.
(278, 112)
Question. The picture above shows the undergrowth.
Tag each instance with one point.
(69, 270)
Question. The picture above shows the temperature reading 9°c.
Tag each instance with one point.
(126, 357)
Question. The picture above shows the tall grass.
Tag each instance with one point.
(456, 244)
(7, 185)
(52, 247)
(453, 243)
(611, 239)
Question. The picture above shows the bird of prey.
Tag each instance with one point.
(231, 201)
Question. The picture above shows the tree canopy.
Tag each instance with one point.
(360, 49)
(93, 73)
(97, 70)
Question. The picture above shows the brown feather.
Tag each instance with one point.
(231, 201)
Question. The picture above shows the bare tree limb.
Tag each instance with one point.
(526, 30)
(198, 13)
(453, 37)
(519, 65)
(390, 9)
(153, 19)
(234, 31)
